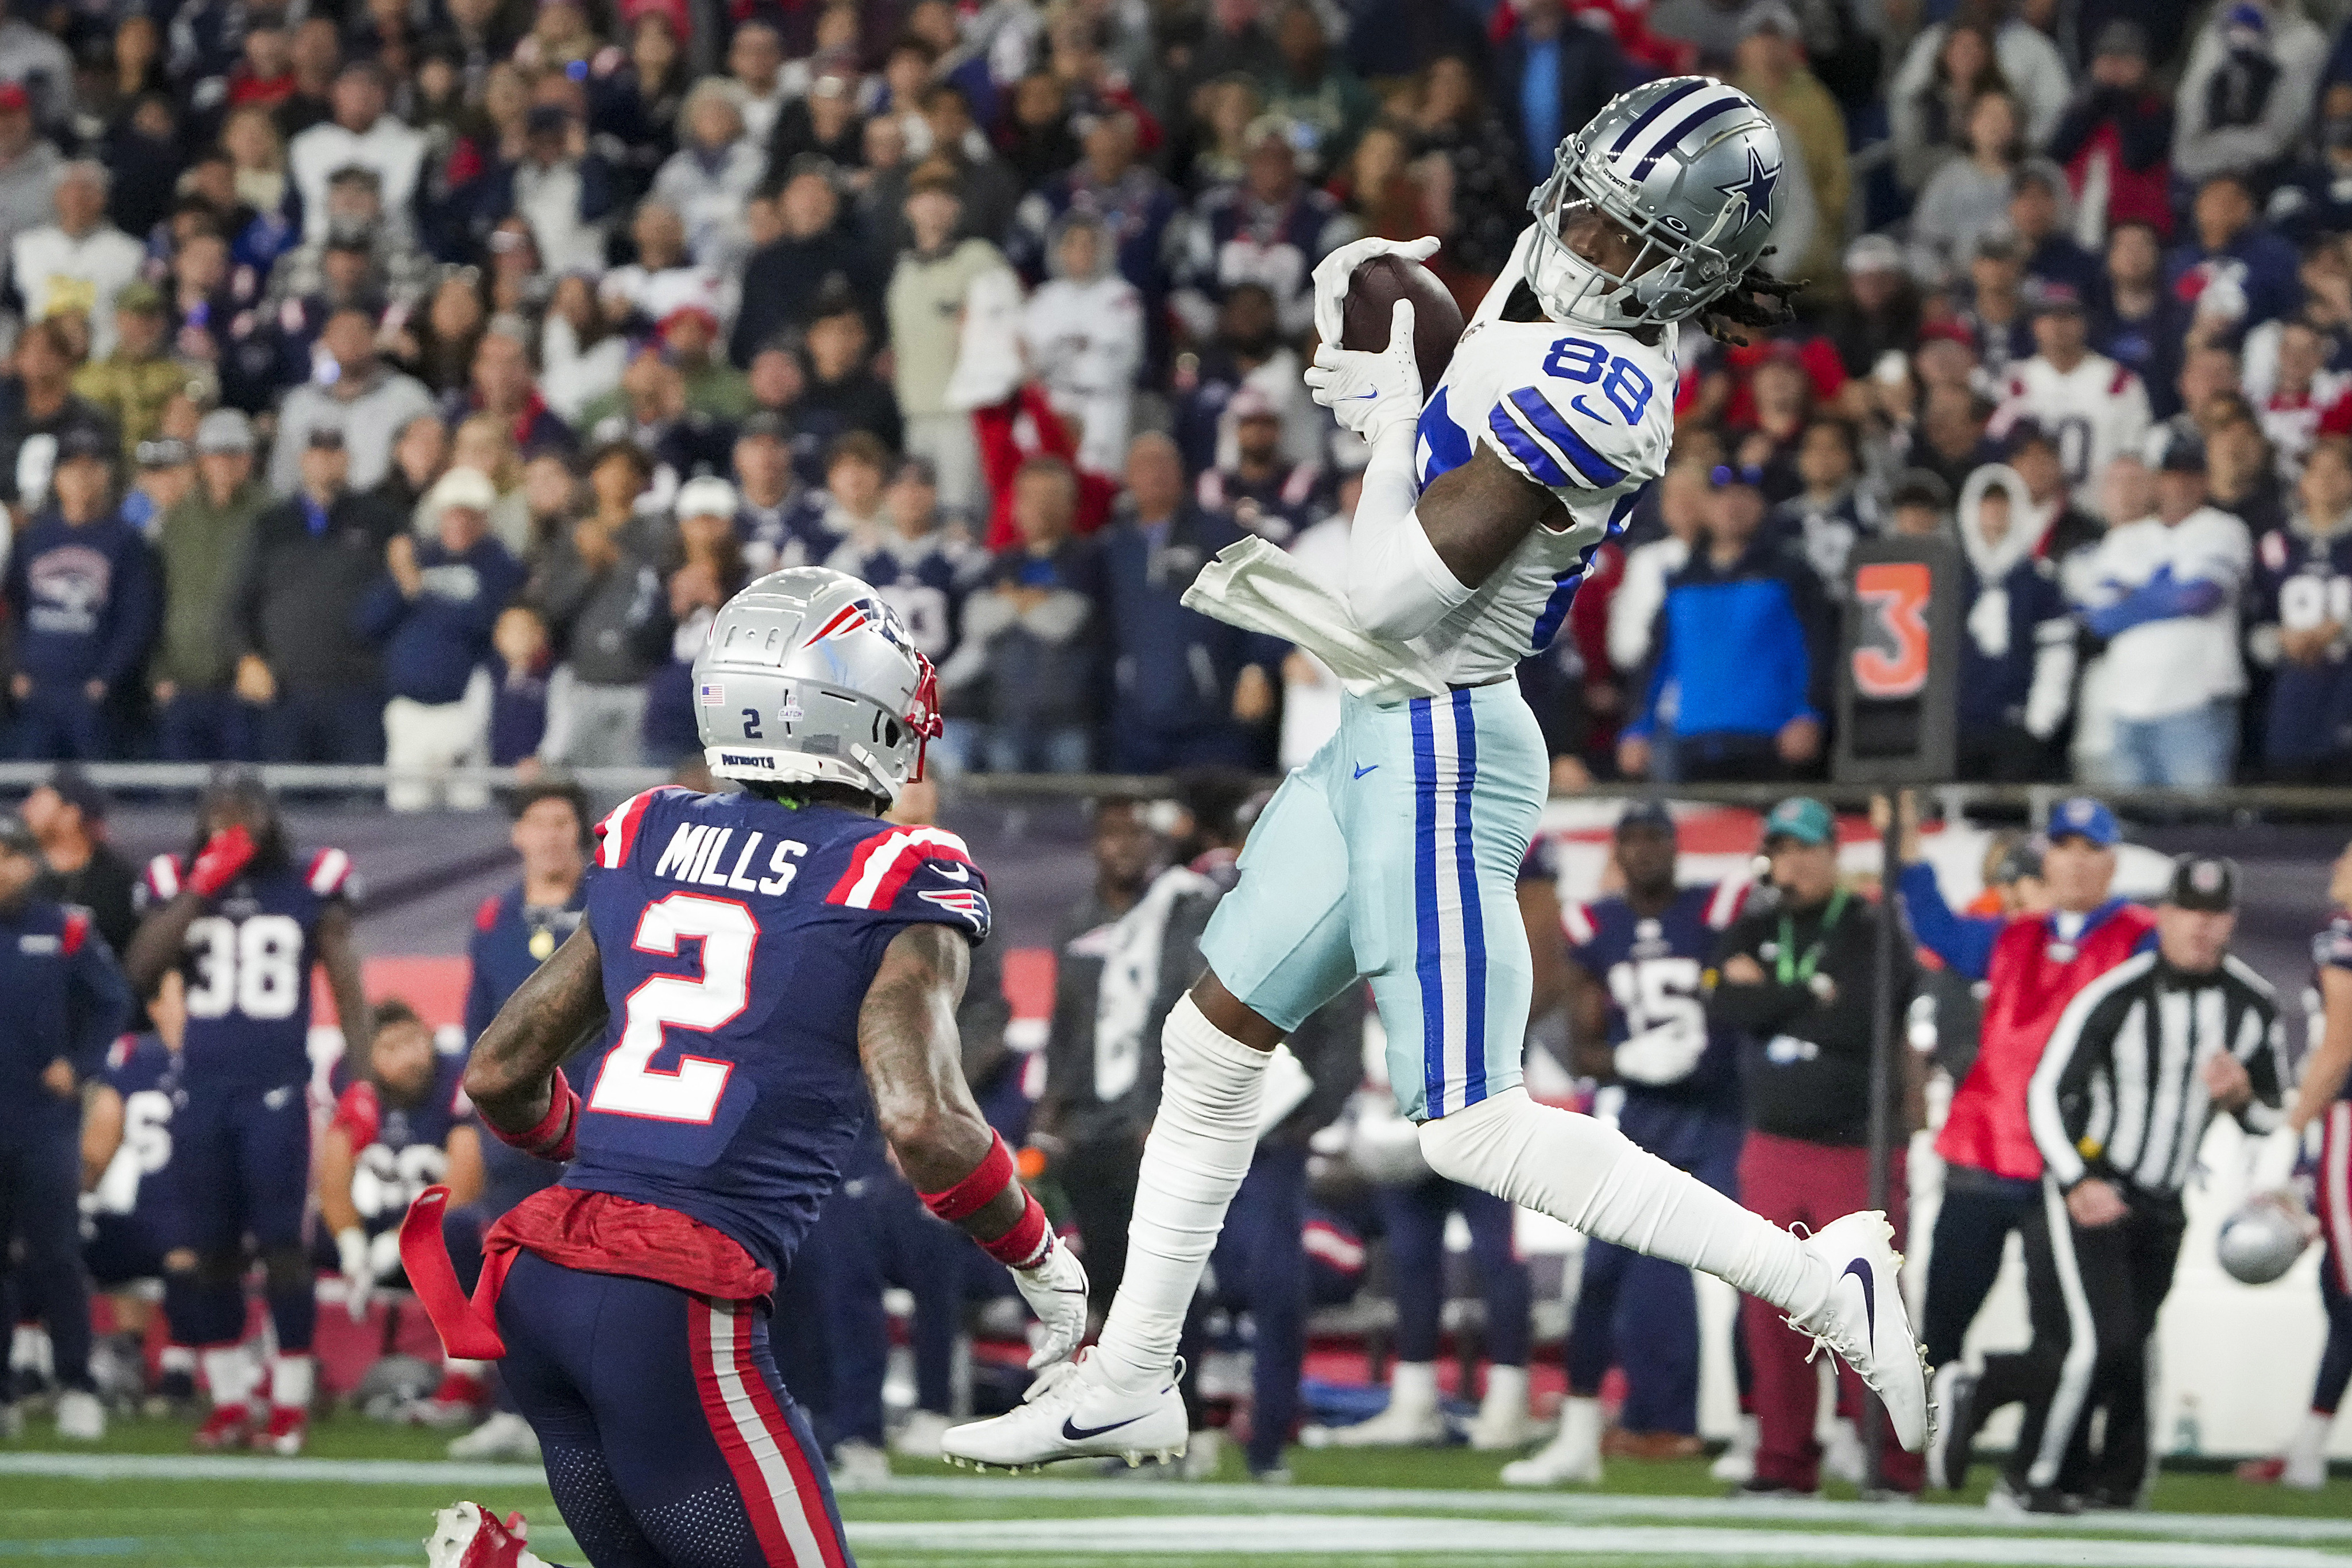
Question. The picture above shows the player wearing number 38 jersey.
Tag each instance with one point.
(757, 974)
(245, 919)
(1391, 855)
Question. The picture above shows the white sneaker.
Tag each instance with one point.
(1736, 1466)
(504, 1436)
(1841, 1456)
(859, 1466)
(1866, 1323)
(80, 1416)
(1069, 1414)
(1412, 1420)
(919, 1437)
(1503, 1422)
(2304, 1471)
(1571, 1458)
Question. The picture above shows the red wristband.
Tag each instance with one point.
(978, 1190)
(1024, 1245)
(553, 1138)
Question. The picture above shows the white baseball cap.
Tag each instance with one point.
(706, 497)
(469, 488)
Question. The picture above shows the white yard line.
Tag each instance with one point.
(1354, 1535)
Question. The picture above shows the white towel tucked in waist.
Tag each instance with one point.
(1255, 586)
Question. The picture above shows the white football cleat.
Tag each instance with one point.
(1843, 1458)
(1502, 1423)
(1069, 1414)
(1571, 1458)
(1866, 1323)
(1413, 1418)
(1737, 1463)
(465, 1535)
(80, 1416)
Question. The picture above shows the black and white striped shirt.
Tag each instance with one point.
(2120, 1092)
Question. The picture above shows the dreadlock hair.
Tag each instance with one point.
(1758, 300)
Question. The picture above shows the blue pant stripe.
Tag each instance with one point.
(1474, 929)
(1428, 966)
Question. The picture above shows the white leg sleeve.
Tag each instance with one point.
(1590, 1175)
(1193, 1163)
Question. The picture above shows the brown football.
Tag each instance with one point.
(1373, 294)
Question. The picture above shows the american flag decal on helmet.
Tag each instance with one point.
(710, 693)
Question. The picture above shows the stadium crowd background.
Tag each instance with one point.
(423, 376)
(415, 382)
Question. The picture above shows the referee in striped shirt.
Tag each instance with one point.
(2138, 1063)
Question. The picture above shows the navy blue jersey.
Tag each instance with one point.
(1651, 968)
(146, 1073)
(739, 937)
(398, 1151)
(64, 999)
(2305, 583)
(923, 580)
(511, 940)
(248, 960)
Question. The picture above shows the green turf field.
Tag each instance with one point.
(365, 1493)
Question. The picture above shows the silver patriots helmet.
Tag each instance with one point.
(2264, 1238)
(1689, 167)
(810, 677)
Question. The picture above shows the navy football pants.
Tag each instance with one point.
(40, 1183)
(1415, 1217)
(1259, 1265)
(241, 1165)
(669, 1438)
(874, 1231)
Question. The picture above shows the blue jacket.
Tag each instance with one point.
(1737, 651)
(1175, 668)
(432, 642)
(86, 601)
(2273, 280)
(66, 999)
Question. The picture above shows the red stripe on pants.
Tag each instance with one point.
(1790, 1182)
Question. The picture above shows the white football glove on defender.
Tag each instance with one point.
(1333, 272)
(1370, 393)
(1056, 1290)
(2276, 1157)
(1664, 1053)
(359, 1277)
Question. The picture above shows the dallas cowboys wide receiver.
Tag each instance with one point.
(1393, 854)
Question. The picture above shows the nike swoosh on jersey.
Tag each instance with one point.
(1361, 771)
(1577, 402)
(1861, 1270)
(1077, 1434)
(951, 871)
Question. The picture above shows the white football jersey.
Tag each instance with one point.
(1590, 416)
(2096, 412)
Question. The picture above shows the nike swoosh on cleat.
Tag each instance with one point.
(1862, 1272)
(1361, 771)
(1075, 1433)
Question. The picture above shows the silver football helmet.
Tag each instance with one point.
(810, 677)
(1689, 167)
(2264, 1238)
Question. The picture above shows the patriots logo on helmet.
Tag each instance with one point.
(1754, 190)
(863, 613)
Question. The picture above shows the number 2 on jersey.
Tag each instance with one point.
(1622, 382)
(690, 1091)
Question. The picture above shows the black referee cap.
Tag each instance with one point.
(2208, 882)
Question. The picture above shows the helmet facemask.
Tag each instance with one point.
(1672, 276)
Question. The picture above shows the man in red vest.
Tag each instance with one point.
(2032, 965)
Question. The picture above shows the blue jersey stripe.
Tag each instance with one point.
(1448, 443)
(1698, 117)
(1540, 464)
(1428, 968)
(1643, 122)
(1555, 610)
(1474, 925)
(1598, 471)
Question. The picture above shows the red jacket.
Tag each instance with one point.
(2032, 977)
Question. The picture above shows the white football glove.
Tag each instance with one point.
(1369, 393)
(1056, 1290)
(359, 1277)
(2275, 1156)
(1333, 272)
(1662, 1054)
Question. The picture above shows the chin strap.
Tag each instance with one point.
(923, 717)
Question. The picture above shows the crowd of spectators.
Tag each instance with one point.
(414, 379)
